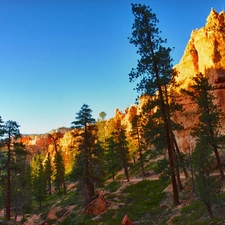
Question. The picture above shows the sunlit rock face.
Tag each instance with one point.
(205, 53)
(43, 143)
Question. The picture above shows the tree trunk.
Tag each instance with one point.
(125, 167)
(177, 168)
(49, 176)
(64, 184)
(219, 162)
(209, 209)
(8, 201)
(90, 189)
(166, 124)
(179, 184)
(141, 156)
(179, 155)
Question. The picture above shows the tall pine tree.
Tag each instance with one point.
(154, 73)
(10, 132)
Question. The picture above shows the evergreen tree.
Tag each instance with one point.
(49, 172)
(85, 163)
(121, 144)
(39, 179)
(58, 163)
(111, 157)
(21, 190)
(137, 134)
(208, 140)
(209, 115)
(154, 72)
(10, 132)
(206, 186)
(60, 171)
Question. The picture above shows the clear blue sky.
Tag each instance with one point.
(57, 55)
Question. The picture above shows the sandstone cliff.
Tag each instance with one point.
(205, 53)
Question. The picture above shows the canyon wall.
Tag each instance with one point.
(205, 53)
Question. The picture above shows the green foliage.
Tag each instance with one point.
(138, 206)
(121, 146)
(112, 164)
(194, 214)
(113, 186)
(102, 115)
(88, 164)
(208, 139)
(59, 170)
(49, 172)
(39, 180)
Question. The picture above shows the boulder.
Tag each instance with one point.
(96, 206)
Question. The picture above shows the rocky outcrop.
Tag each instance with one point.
(205, 52)
(96, 206)
(126, 221)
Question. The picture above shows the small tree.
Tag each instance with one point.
(49, 172)
(111, 157)
(60, 171)
(207, 187)
(39, 179)
(137, 132)
(101, 123)
(120, 139)
(58, 163)
(21, 189)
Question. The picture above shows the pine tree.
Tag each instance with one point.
(137, 131)
(121, 144)
(208, 140)
(209, 115)
(111, 157)
(58, 163)
(60, 172)
(154, 72)
(206, 186)
(21, 190)
(85, 162)
(39, 179)
(49, 172)
(10, 132)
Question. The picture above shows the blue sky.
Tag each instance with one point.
(57, 55)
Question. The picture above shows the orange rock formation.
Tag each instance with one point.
(205, 53)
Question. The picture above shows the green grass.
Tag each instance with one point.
(141, 201)
(194, 214)
(113, 186)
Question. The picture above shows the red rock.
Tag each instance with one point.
(126, 221)
(97, 206)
